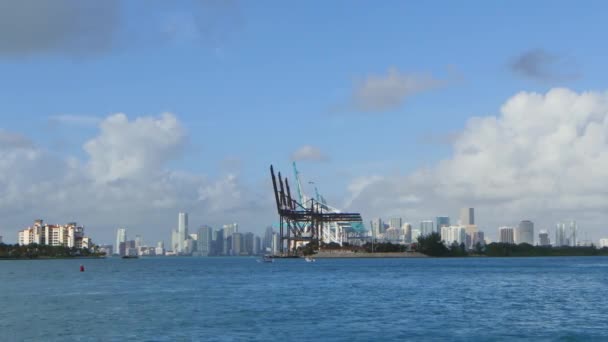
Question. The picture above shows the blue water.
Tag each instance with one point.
(238, 299)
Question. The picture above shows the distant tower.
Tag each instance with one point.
(395, 222)
(182, 231)
(442, 221)
(407, 233)
(121, 237)
(205, 241)
(506, 235)
(573, 233)
(565, 233)
(543, 238)
(377, 227)
(525, 232)
(138, 241)
(467, 216)
(267, 242)
(426, 227)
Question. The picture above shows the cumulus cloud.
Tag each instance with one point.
(309, 153)
(125, 180)
(381, 93)
(545, 156)
(9, 140)
(540, 65)
(134, 149)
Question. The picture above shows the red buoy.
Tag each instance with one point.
(81, 268)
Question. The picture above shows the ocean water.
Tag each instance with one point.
(239, 299)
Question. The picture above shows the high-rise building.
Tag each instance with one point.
(205, 241)
(441, 221)
(138, 241)
(121, 236)
(392, 235)
(524, 233)
(415, 235)
(257, 243)
(248, 242)
(407, 233)
(467, 216)
(174, 241)
(231, 228)
(452, 234)
(182, 231)
(470, 231)
(377, 227)
(276, 244)
(478, 238)
(267, 242)
(237, 244)
(543, 238)
(426, 227)
(565, 233)
(506, 235)
(395, 222)
(160, 248)
(218, 244)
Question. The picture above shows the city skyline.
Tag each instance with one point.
(131, 119)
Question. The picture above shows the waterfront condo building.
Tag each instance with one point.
(69, 235)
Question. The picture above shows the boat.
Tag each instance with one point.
(266, 258)
(309, 259)
(130, 257)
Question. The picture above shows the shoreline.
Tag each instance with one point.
(365, 255)
(55, 258)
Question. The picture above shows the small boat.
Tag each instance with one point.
(266, 258)
(309, 259)
(130, 257)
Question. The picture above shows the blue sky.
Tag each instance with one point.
(251, 82)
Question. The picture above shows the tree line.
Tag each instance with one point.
(432, 245)
(35, 251)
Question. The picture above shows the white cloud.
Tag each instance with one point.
(380, 93)
(544, 157)
(134, 149)
(310, 153)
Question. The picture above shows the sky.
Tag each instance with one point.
(122, 114)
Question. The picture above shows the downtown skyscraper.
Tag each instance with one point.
(182, 231)
(121, 237)
(467, 216)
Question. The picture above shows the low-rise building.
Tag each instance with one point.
(603, 242)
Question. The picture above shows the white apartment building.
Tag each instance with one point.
(69, 235)
(452, 234)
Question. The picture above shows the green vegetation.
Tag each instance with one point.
(35, 251)
(432, 245)
(384, 247)
(527, 250)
